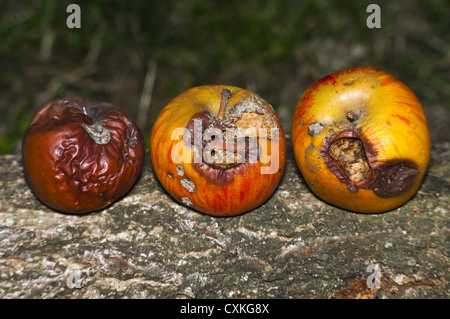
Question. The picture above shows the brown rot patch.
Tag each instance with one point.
(349, 153)
(394, 178)
(224, 144)
(349, 156)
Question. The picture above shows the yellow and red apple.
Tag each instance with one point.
(361, 140)
(218, 149)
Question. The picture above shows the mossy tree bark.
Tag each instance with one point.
(294, 246)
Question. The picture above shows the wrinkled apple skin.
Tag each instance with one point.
(66, 169)
(216, 192)
(370, 105)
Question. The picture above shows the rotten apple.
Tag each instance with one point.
(81, 155)
(361, 140)
(218, 149)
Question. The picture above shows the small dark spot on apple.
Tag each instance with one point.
(351, 116)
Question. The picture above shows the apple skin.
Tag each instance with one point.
(215, 191)
(367, 105)
(67, 169)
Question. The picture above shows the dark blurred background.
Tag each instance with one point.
(141, 54)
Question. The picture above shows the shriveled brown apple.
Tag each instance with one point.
(81, 155)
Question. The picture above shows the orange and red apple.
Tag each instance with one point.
(218, 149)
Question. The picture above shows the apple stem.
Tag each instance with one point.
(98, 133)
(226, 94)
(351, 116)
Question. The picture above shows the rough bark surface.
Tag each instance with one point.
(294, 246)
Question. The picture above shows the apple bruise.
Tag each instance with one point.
(353, 160)
(235, 146)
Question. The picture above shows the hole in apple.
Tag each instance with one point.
(231, 139)
(358, 167)
(350, 156)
